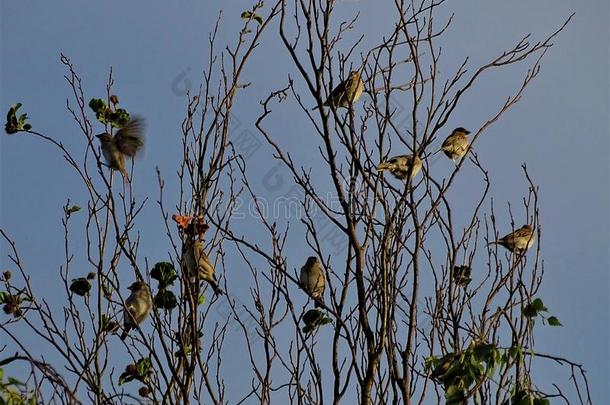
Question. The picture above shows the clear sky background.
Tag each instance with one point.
(560, 128)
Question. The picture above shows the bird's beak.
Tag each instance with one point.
(383, 166)
(99, 136)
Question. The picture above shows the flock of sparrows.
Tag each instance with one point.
(129, 140)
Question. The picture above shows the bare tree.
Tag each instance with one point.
(422, 309)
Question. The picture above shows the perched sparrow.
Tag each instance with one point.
(399, 166)
(198, 264)
(313, 281)
(456, 144)
(347, 92)
(126, 142)
(137, 307)
(518, 241)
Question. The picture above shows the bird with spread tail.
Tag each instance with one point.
(198, 264)
(400, 166)
(137, 307)
(518, 241)
(456, 144)
(125, 143)
(313, 281)
(347, 92)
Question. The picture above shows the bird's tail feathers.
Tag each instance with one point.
(217, 290)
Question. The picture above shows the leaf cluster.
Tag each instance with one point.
(313, 319)
(139, 371)
(460, 371)
(166, 275)
(116, 117)
(14, 124)
(13, 392)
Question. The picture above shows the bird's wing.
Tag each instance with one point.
(522, 233)
(203, 261)
(447, 142)
(336, 95)
(198, 252)
(129, 318)
(303, 277)
(130, 138)
(321, 282)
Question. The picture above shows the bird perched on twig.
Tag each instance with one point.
(126, 142)
(137, 307)
(400, 166)
(347, 92)
(518, 241)
(313, 281)
(456, 144)
(198, 264)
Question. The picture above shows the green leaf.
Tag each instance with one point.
(118, 118)
(3, 296)
(144, 367)
(542, 401)
(247, 15)
(126, 377)
(532, 309)
(312, 316)
(181, 353)
(140, 371)
(97, 105)
(14, 381)
(14, 124)
(72, 209)
(201, 299)
(455, 395)
(164, 273)
(313, 319)
(539, 305)
(553, 321)
(461, 275)
(80, 286)
(166, 299)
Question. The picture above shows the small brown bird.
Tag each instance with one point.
(137, 307)
(400, 166)
(518, 241)
(198, 264)
(313, 281)
(126, 142)
(347, 92)
(456, 144)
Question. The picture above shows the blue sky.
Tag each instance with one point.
(560, 128)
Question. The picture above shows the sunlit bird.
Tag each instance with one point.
(400, 166)
(137, 307)
(456, 144)
(518, 241)
(347, 92)
(313, 281)
(125, 143)
(198, 264)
